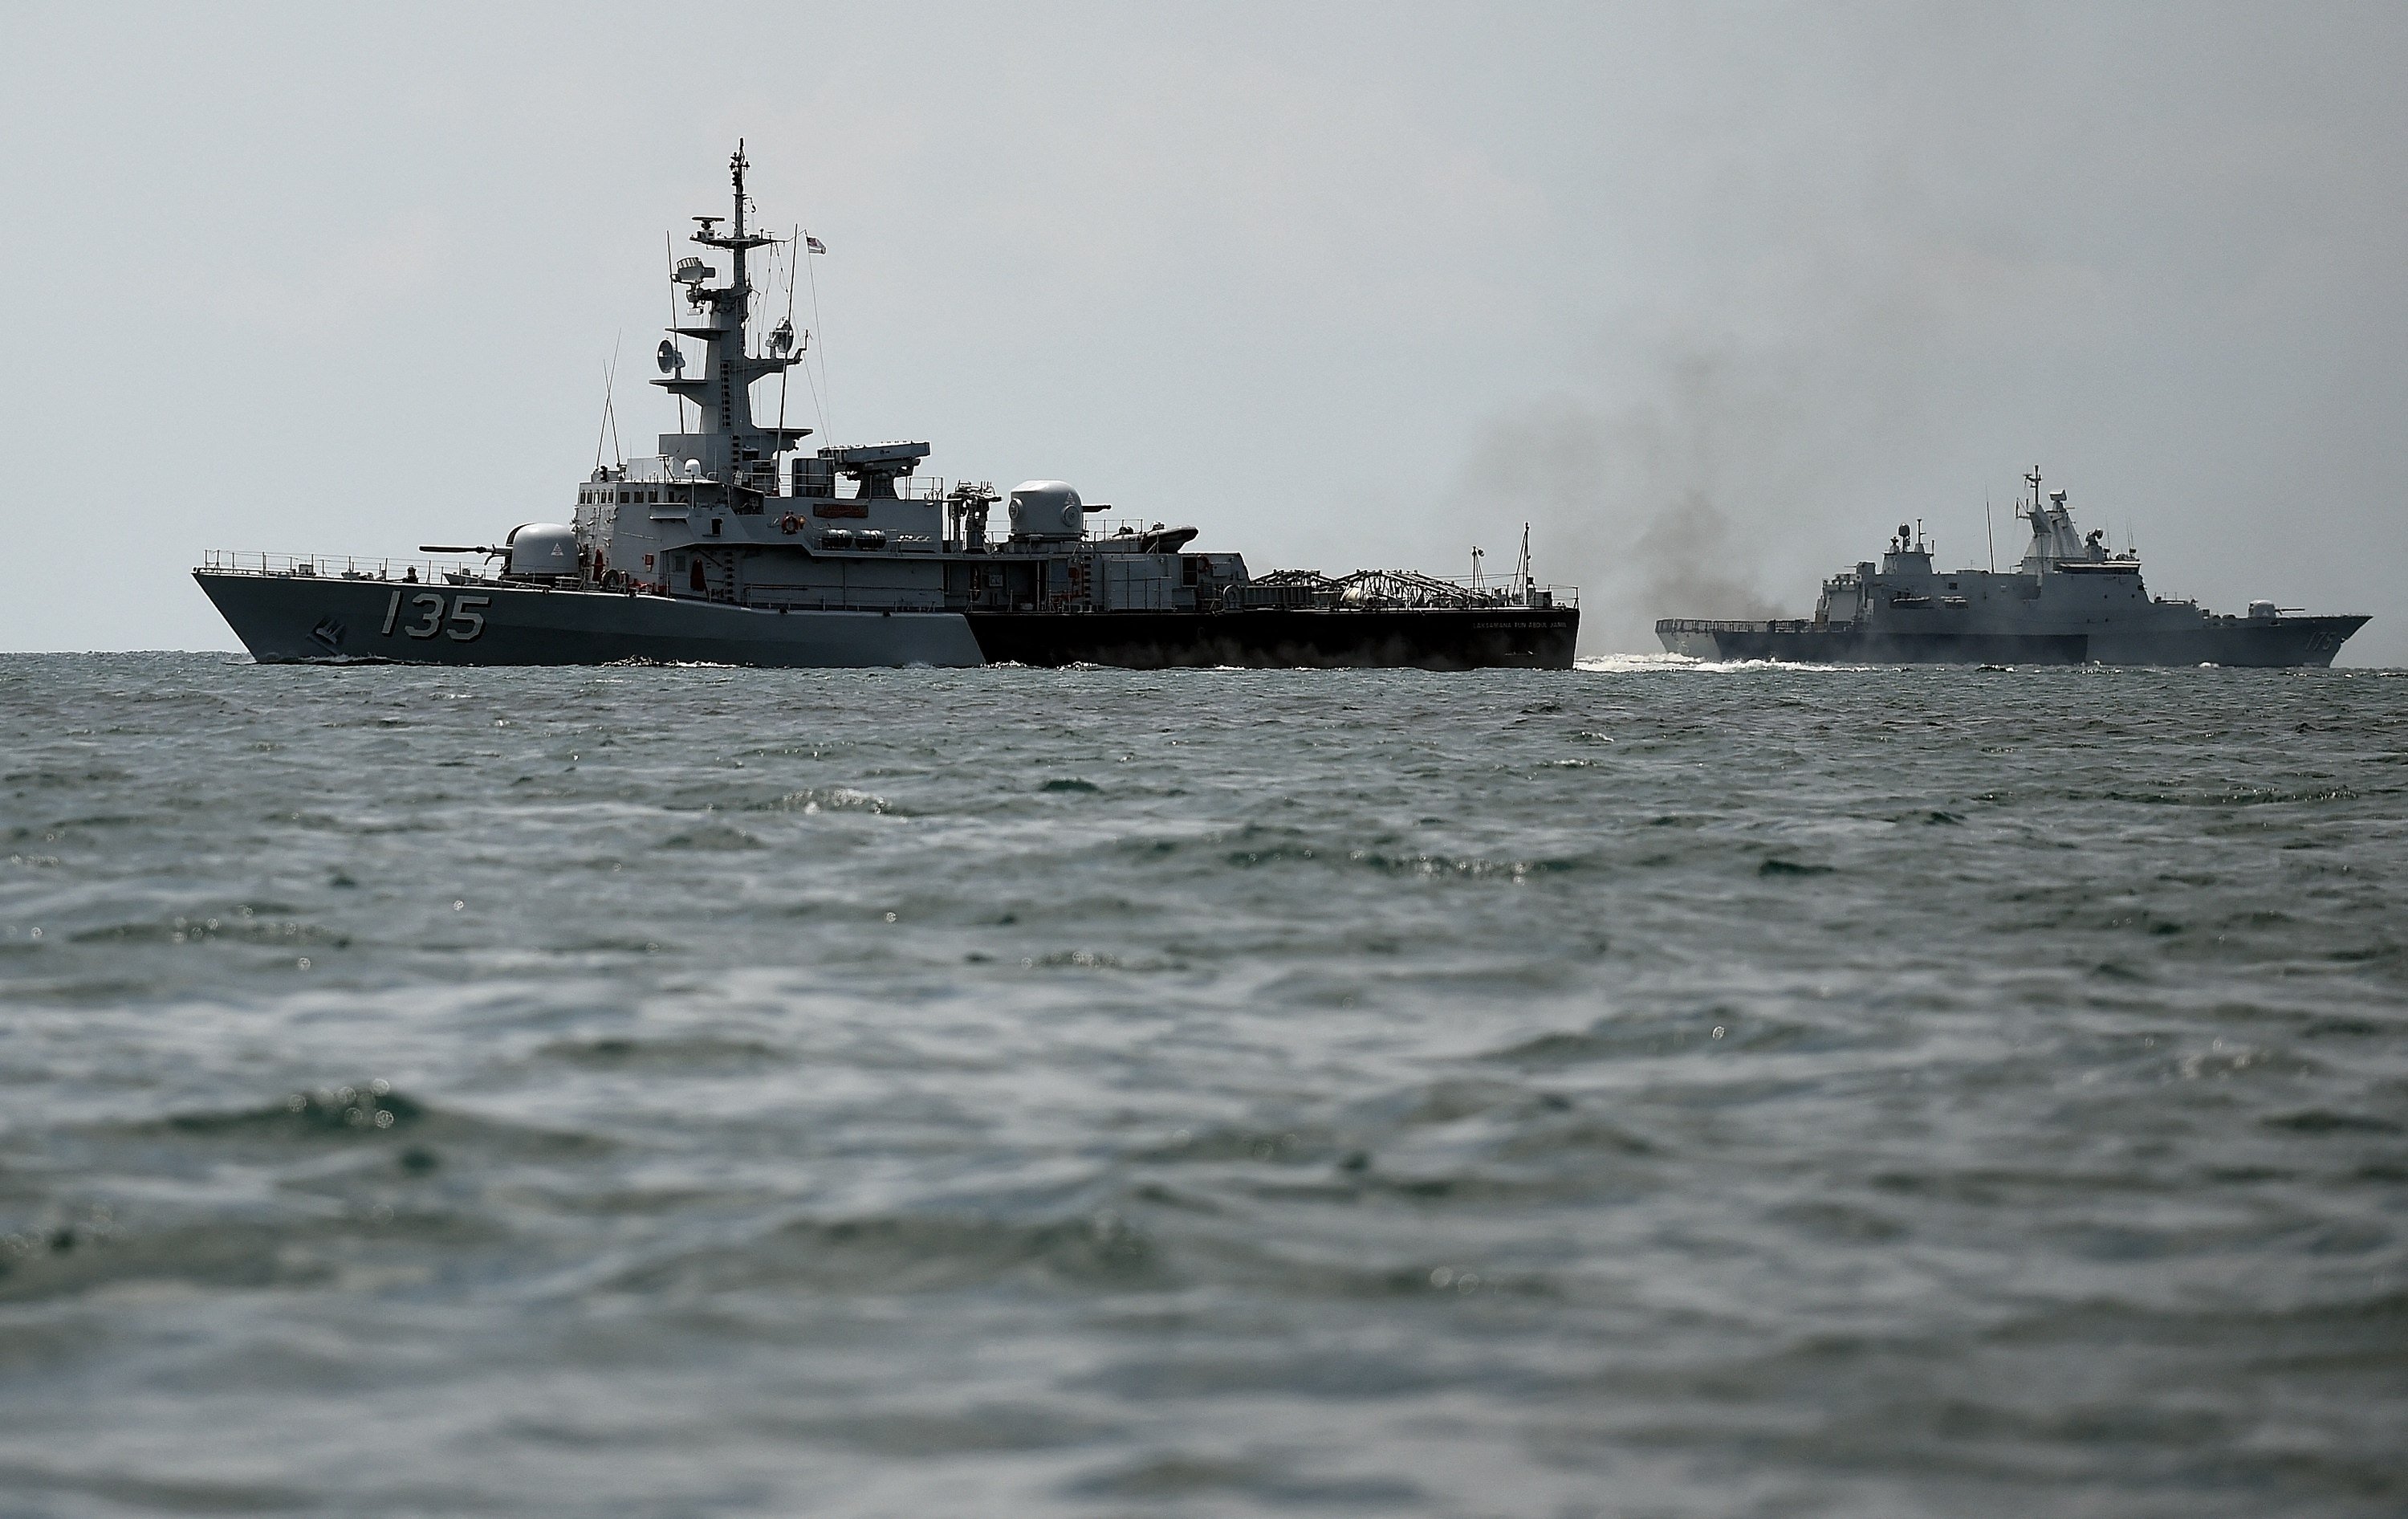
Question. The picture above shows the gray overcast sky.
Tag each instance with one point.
(1714, 295)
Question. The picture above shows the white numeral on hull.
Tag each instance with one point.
(466, 623)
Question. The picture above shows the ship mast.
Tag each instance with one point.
(731, 447)
(736, 244)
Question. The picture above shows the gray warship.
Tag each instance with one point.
(2069, 602)
(731, 544)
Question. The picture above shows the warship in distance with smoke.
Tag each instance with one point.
(2069, 602)
(730, 545)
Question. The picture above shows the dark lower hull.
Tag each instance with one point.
(285, 619)
(2281, 643)
(1534, 638)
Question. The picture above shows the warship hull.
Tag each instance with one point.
(2268, 643)
(1430, 638)
(290, 618)
(286, 619)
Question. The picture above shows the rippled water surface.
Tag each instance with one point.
(1647, 1089)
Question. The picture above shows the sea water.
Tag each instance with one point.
(1640, 1090)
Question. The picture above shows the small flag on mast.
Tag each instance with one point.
(814, 244)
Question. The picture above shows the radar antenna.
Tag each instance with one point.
(743, 453)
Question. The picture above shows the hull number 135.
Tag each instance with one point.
(427, 617)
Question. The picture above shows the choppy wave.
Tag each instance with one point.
(1656, 1088)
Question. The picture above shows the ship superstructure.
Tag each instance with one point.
(735, 543)
(2070, 600)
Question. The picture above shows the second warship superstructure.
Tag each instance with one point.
(732, 544)
(2070, 601)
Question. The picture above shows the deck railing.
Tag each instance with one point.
(441, 569)
(1709, 625)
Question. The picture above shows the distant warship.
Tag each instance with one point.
(2070, 602)
(730, 545)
